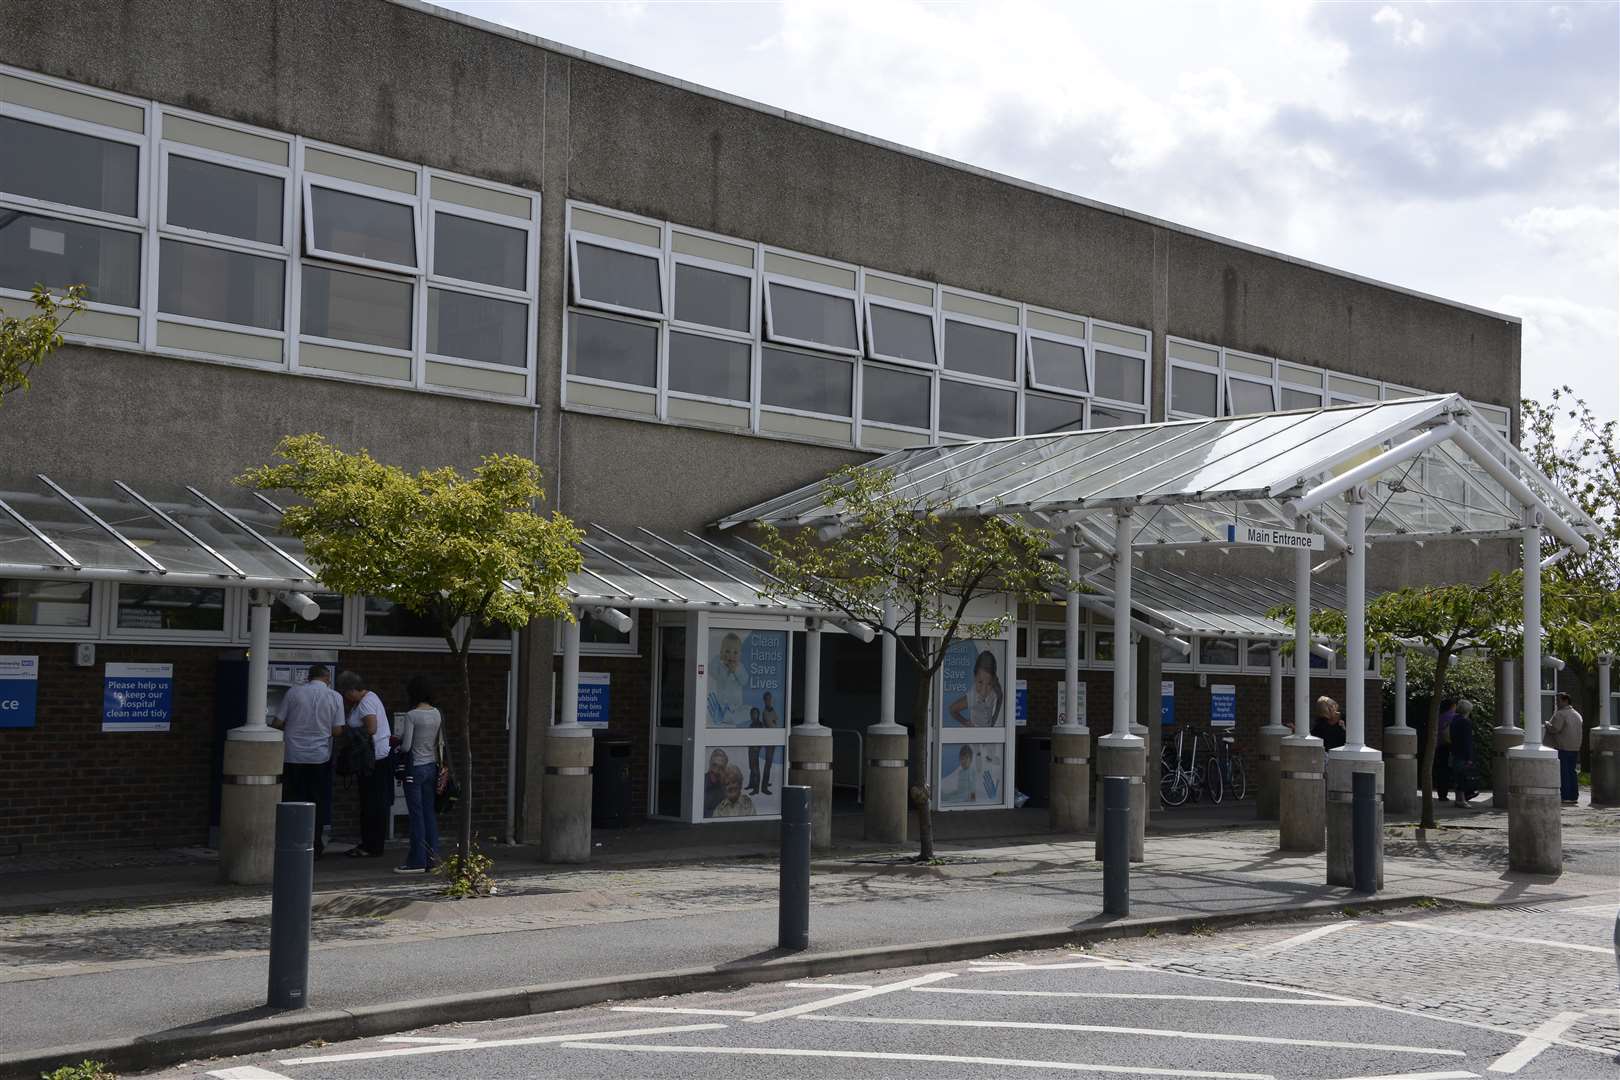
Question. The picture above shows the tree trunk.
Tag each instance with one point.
(921, 794)
(1431, 740)
(464, 821)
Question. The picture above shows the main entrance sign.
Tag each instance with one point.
(1266, 536)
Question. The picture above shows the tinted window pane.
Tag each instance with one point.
(908, 335)
(804, 315)
(712, 298)
(475, 250)
(1259, 656)
(967, 409)
(384, 618)
(1059, 365)
(1192, 391)
(1248, 397)
(1102, 416)
(66, 167)
(219, 199)
(356, 307)
(794, 380)
(363, 227)
(1218, 652)
(1300, 399)
(709, 366)
(48, 251)
(980, 350)
(284, 621)
(1050, 643)
(1045, 414)
(224, 286)
(621, 278)
(44, 603)
(170, 607)
(889, 396)
(1120, 377)
(478, 328)
(613, 349)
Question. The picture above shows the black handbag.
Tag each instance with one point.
(356, 757)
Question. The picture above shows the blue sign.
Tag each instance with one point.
(1020, 703)
(1223, 705)
(594, 695)
(19, 691)
(137, 697)
(1167, 703)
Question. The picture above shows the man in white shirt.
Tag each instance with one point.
(309, 717)
(369, 720)
(1563, 733)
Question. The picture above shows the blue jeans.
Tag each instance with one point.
(420, 781)
(1568, 764)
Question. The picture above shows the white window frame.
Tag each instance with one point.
(600, 648)
(1035, 658)
(994, 385)
(928, 375)
(1196, 660)
(1173, 364)
(666, 386)
(769, 278)
(931, 311)
(1138, 411)
(310, 181)
(659, 376)
(613, 243)
(1143, 407)
(678, 259)
(822, 354)
(416, 318)
(1250, 380)
(91, 631)
(1283, 383)
(1084, 402)
(1082, 343)
(111, 631)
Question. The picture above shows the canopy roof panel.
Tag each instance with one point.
(1214, 605)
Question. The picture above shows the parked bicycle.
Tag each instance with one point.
(1186, 770)
(1229, 764)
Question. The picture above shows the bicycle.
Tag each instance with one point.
(1233, 774)
(1177, 782)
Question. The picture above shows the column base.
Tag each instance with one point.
(247, 806)
(1400, 770)
(1267, 770)
(1605, 748)
(1341, 767)
(1125, 758)
(1535, 829)
(1070, 779)
(887, 765)
(565, 798)
(1302, 795)
(1503, 739)
(810, 750)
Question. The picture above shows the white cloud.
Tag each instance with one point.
(1403, 31)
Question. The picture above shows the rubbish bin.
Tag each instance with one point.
(1033, 771)
(610, 784)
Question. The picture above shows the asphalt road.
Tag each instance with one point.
(1398, 996)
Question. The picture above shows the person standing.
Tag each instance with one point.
(1564, 731)
(368, 719)
(1329, 723)
(1462, 751)
(1442, 749)
(309, 717)
(422, 741)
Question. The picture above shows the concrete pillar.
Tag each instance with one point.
(810, 746)
(1117, 758)
(1340, 822)
(887, 751)
(1506, 735)
(1069, 782)
(565, 823)
(1604, 743)
(1535, 828)
(1302, 790)
(251, 774)
(1120, 752)
(1267, 769)
(1355, 755)
(1400, 750)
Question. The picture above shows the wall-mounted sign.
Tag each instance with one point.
(973, 694)
(1167, 702)
(19, 691)
(137, 697)
(747, 678)
(1021, 702)
(1269, 537)
(594, 697)
(1222, 705)
(1063, 701)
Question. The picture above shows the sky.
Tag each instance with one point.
(1471, 151)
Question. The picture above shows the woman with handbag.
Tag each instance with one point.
(423, 745)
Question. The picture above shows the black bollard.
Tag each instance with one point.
(1116, 825)
(290, 896)
(793, 922)
(1364, 831)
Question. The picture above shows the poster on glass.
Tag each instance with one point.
(747, 678)
(972, 691)
(971, 774)
(743, 781)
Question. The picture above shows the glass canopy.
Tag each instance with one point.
(1214, 605)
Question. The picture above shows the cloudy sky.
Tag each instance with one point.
(1467, 150)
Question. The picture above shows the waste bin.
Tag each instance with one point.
(610, 784)
(1033, 772)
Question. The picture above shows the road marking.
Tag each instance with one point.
(422, 1039)
(1139, 997)
(536, 1040)
(829, 986)
(1014, 965)
(873, 1055)
(1600, 949)
(680, 1012)
(1304, 939)
(1162, 1033)
(853, 995)
(1534, 1043)
(1155, 969)
(247, 1072)
(1419, 1076)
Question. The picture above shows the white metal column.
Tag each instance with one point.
(1605, 702)
(1400, 688)
(886, 676)
(1122, 627)
(1355, 622)
(1506, 709)
(1532, 631)
(1302, 637)
(1071, 643)
(1276, 686)
(568, 715)
(812, 673)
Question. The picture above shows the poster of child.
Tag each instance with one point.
(747, 678)
(726, 789)
(970, 774)
(973, 692)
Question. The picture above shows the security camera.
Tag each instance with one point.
(300, 604)
(615, 618)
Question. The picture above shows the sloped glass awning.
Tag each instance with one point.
(1434, 468)
(1215, 605)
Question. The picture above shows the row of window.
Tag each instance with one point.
(199, 237)
(692, 327)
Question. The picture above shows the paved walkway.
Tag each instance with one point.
(135, 966)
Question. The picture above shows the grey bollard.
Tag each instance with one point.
(793, 919)
(1364, 831)
(1117, 845)
(291, 891)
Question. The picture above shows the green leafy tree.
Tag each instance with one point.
(1471, 676)
(462, 551)
(931, 568)
(25, 342)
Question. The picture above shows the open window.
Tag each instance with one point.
(812, 303)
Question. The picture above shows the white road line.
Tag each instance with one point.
(1534, 1043)
(680, 1012)
(853, 995)
(829, 986)
(1161, 1033)
(1013, 965)
(1155, 969)
(536, 1040)
(422, 1039)
(873, 1055)
(1600, 949)
(1140, 997)
(247, 1072)
(1306, 938)
(1419, 1076)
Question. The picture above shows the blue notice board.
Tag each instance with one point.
(1021, 703)
(1222, 705)
(19, 691)
(594, 693)
(1167, 702)
(137, 697)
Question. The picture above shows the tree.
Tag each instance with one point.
(931, 568)
(25, 342)
(462, 551)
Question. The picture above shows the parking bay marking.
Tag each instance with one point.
(1304, 939)
(533, 1040)
(679, 1011)
(1419, 1076)
(874, 1055)
(247, 1072)
(853, 995)
(1330, 1002)
(1162, 1033)
(1534, 1043)
(1601, 950)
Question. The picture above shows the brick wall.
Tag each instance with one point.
(629, 705)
